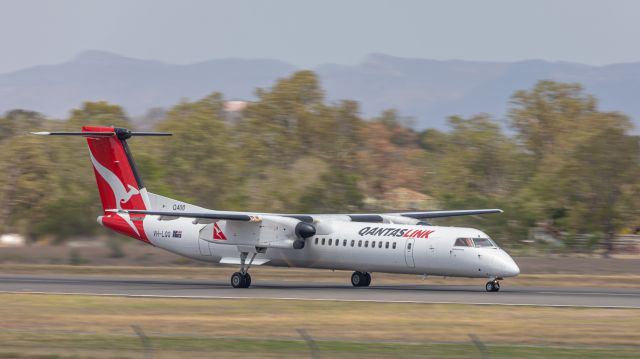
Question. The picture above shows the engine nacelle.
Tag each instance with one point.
(284, 229)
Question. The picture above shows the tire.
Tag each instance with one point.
(489, 287)
(357, 279)
(247, 279)
(367, 279)
(238, 280)
(496, 286)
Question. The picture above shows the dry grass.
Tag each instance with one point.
(324, 320)
(38, 326)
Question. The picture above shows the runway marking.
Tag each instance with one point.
(200, 297)
(589, 293)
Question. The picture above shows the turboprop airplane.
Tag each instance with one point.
(363, 242)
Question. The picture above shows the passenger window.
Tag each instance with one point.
(366, 244)
(409, 246)
(337, 242)
(386, 245)
(373, 244)
(316, 240)
(464, 242)
(380, 244)
(344, 243)
(352, 242)
(360, 243)
(394, 245)
(323, 241)
(330, 241)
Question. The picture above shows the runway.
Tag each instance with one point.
(200, 289)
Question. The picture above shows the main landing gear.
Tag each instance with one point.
(359, 279)
(242, 279)
(493, 286)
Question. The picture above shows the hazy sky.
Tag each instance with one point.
(308, 33)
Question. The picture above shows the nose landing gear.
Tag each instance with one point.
(359, 279)
(493, 286)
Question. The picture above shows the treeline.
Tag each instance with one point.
(560, 164)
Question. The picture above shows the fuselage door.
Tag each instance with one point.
(408, 252)
(205, 249)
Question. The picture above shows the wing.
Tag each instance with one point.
(398, 217)
(210, 215)
(410, 217)
(454, 213)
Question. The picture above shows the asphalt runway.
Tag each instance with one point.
(200, 289)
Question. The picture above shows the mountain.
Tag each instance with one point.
(135, 84)
(426, 90)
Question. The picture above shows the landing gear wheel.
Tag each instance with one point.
(239, 280)
(242, 279)
(367, 279)
(492, 286)
(358, 279)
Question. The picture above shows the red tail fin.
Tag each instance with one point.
(119, 184)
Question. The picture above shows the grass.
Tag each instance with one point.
(86, 326)
(124, 347)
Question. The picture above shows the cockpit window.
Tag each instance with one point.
(464, 242)
(474, 242)
(483, 242)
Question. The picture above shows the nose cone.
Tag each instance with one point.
(511, 269)
(507, 266)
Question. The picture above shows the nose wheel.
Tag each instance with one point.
(360, 279)
(493, 286)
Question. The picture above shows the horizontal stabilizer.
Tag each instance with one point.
(99, 134)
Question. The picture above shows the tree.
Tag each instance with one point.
(475, 165)
(567, 136)
(600, 180)
(336, 191)
(200, 162)
(389, 155)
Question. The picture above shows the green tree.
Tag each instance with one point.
(200, 162)
(600, 180)
(563, 129)
(475, 165)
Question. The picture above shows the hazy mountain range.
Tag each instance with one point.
(427, 90)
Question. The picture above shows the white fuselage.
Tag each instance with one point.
(365, 247)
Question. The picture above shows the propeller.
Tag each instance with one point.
(303, 230)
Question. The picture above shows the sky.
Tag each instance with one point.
(308, 33)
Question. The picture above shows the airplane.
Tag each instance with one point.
(360, 242)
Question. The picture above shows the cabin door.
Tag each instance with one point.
(205, 250)
(408, 252)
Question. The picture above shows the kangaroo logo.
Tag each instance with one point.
(217, 233)
(122, 195)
